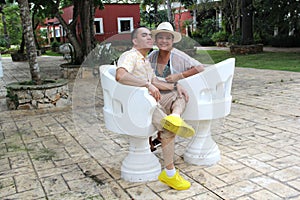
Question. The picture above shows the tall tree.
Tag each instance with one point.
(247, 22)
(231, 13)
(6, 36)
(82, 39)
(170, 15)
(150, 8)
(29, 41)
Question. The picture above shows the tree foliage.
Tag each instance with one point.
(83, 16)
(13, 22)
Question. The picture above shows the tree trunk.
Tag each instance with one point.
(247, 22)
(170, 17)
(87, 36)
(84, 42)
(29, 41)
(6, 36)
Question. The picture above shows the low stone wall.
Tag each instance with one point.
(246, 49)
(69, 71)
(54, 93)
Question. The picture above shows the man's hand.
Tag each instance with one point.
(154, 91)
(182, 92)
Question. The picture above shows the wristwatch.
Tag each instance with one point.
(175, 86)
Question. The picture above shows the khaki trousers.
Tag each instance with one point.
(169, 101)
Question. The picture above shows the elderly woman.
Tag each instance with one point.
(169, 63)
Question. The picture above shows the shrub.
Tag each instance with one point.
(236, 38)
(55, 44)
(185, 43)
(3, 42)
(285, 41)
(220, 36)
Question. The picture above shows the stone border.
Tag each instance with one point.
(69, 71)
(246, 49)
(52, 94)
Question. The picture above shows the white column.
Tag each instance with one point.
(202, 150)
(141, 164)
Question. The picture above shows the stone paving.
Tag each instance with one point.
(67, 153)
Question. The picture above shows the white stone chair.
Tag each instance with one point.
(210, 98)
(128, 110)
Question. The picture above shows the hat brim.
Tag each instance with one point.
(177, 35)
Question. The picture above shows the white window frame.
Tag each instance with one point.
(100, 20)
(57, 32)
(120, 19)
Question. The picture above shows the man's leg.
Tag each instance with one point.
(169, 175)
(168, 149)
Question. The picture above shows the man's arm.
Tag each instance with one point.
(126, 78)
(161, 85)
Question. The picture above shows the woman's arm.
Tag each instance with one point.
(190, 72)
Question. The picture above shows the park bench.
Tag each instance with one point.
(128, 110)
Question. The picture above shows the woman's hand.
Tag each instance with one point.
(172, 78)
(182, 92)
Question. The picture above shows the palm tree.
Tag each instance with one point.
(29, 41)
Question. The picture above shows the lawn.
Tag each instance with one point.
(266, 60)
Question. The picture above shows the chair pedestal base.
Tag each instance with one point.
(141, 164)
(202, 150)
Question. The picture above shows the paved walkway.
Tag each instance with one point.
(68, 154)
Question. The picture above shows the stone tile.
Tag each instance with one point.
(16, 172)
(169, 193)
(264, 157)
(275, 186)
(73, 173)
(287, 174)
(5, 165)
(285, 161)
(206, 179)
(257, 165)
(238, 175)
(20, 161)
(295, 183)
(142, 192)
(239, 189)
(37, 193)
(27, 182)
(230, 163)
(112, 190)
(206, 196)
(216, 170)
(7, 187)
(244, 198)
(54, 185)
(265, 194)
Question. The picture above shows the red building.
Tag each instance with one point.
(181, 16)
(114, 19)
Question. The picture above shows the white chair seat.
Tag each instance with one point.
(128, 110)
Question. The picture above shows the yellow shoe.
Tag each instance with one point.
(176, 125)
(176, 182)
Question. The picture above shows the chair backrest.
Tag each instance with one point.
(127, 109)
(210, 92)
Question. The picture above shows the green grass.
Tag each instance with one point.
(286, 61)
(51, 53)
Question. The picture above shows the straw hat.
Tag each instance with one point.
(166, 27)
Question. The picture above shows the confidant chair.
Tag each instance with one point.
(128, 110)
